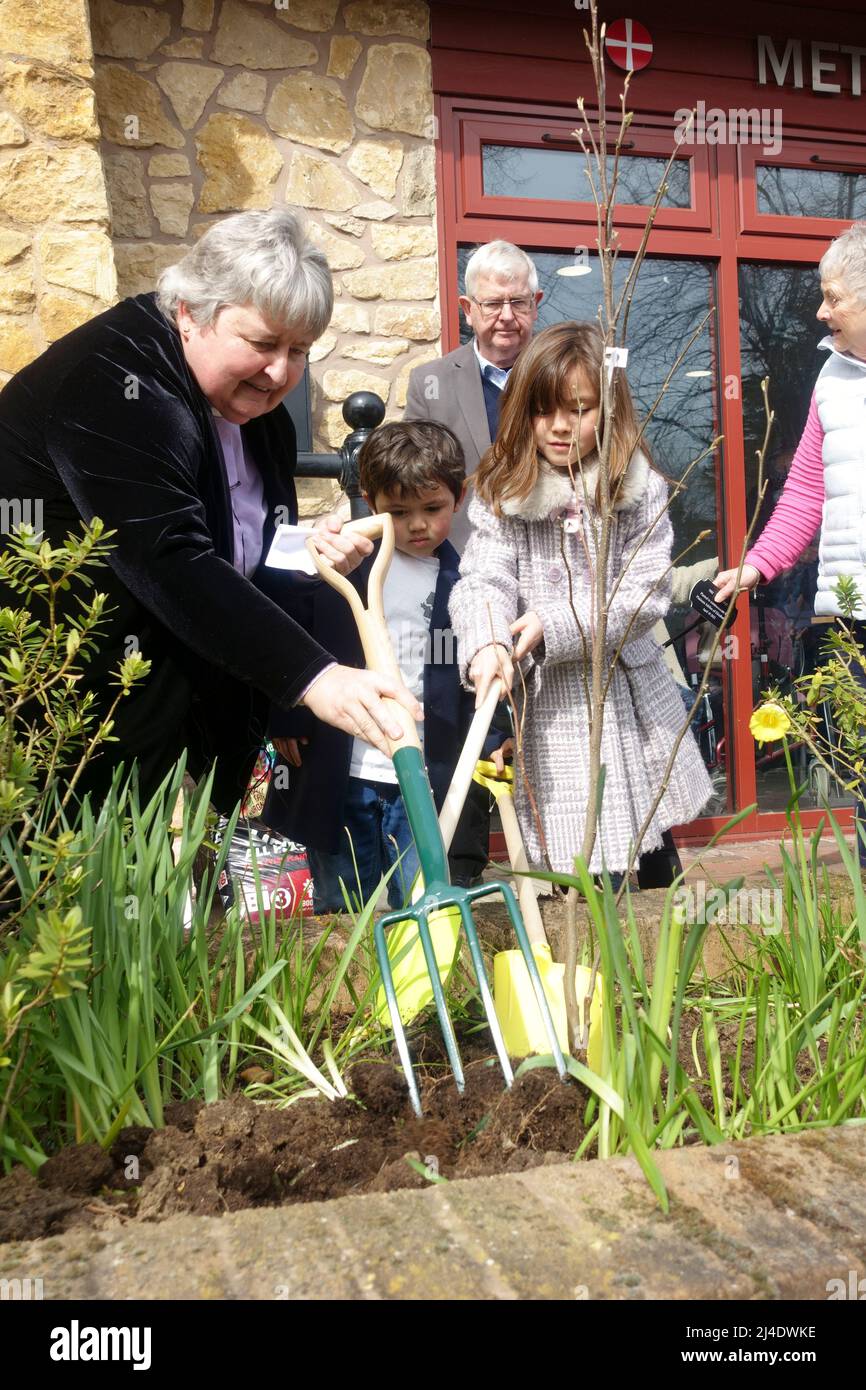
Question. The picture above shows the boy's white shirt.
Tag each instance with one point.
(408, 596)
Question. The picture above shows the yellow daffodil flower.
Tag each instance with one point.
(768, 723)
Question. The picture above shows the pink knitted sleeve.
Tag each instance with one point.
(797, 514)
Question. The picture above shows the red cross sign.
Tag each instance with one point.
(629, 45)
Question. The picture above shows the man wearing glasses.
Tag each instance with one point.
(462, 390)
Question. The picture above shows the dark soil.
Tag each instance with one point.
(209, 1159)
(236, 1154)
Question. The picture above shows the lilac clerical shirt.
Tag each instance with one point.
(247, 493)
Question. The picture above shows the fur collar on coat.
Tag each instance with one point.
(553, 491)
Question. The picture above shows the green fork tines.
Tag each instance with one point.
(437, 897)
(438, 894)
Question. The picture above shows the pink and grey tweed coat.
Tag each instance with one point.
(521, 561)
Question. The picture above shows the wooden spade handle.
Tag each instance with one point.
(532, 917)
(372, 627)
(461, 781)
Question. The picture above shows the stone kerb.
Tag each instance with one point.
(56, 257)
(776, 1217)
(212, 106)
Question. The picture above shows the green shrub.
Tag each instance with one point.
(49, 732)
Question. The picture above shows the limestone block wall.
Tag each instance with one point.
(56, 260)
(211, 106)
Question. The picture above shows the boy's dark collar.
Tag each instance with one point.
(447, 556)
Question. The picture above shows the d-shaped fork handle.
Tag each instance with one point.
(372, 627)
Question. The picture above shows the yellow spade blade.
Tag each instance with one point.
(406, 954)
(517, 1009)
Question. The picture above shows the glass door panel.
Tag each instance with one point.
(832, 193)
(671, 299)
(811, 188)
(779, 335)
(515, 171)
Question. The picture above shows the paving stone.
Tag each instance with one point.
(629, 1248)
(745, 1201)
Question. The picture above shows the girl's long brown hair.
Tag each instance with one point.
(538, 384)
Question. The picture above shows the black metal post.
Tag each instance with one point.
(364, 411)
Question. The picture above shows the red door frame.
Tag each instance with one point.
(733, 232)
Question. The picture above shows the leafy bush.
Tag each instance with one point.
(49, 732)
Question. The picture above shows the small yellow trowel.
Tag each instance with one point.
(513, 997)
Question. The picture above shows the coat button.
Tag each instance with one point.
(554, 574)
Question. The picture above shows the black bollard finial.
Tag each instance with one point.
(364, 411)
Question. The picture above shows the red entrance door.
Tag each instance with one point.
(730, 240)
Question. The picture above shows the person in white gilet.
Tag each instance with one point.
(826, 486)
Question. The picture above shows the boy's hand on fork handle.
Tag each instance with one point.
(342, 548)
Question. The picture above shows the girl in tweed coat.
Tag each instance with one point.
(526, 595)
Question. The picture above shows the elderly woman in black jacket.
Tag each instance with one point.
(161, 417)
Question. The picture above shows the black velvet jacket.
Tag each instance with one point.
(109, 422)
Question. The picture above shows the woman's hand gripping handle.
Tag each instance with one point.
(374, 704)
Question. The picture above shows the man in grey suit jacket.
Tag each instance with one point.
(462, 389)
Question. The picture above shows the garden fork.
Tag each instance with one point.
(439, 892)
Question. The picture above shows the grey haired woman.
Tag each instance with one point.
(161, 417)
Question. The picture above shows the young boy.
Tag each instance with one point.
(343, 801)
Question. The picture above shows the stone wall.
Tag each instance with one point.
(211, 106)
(56, 262)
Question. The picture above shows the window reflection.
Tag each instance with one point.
(670, 300)
(810, 192)
(511, 171)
